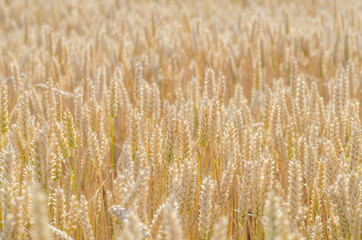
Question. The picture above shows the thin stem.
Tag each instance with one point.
(166, 183)
(258, 228)
(200, 165)
(112, 142)
(73, 175)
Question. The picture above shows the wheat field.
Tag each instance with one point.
(195, 119)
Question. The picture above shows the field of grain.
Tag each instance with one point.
(195, 119)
